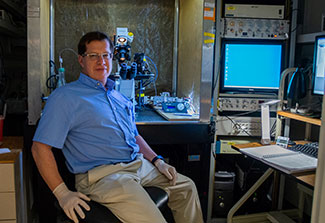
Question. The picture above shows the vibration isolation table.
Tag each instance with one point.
(185, 144)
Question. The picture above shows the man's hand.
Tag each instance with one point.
(70, 201)
(168, 170)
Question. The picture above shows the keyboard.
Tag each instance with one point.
(310, 149)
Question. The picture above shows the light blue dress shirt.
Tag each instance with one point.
(93, 126)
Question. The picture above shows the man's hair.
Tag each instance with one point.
(91, 36)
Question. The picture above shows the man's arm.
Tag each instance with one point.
(47, 166)
(145, 149)
(149, 154)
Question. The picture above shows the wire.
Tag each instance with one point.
(293, 10)
(246, 113)
(295, 28)
(55, 67)
(148, 82)
(67, 49)
(272, 128)
(155, 87)
(156, 77)
(60, 54)
(243, 114)
(237, 125)
(50, 84)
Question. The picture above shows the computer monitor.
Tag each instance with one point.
(251, 67)
(319, 65)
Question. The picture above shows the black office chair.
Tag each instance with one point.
(49, 210)
(100, 214)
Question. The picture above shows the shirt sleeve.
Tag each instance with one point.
(55, 121)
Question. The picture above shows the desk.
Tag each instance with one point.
(185, 144)
(307, 179)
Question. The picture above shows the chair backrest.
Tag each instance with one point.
(66, 175)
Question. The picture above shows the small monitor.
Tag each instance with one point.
(251, 67)
(319, 66)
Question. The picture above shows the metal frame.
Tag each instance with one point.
(318, 214)
(52, 25)
(37, 58)
(217, 57)
(284, 74)
(175, 50)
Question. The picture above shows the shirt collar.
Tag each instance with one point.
(84, 79)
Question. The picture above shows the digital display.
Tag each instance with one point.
(319, 65)
(251, 67)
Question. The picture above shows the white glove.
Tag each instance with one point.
(168, 170)
(70, 201)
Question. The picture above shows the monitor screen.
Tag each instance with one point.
(319, 65)
(251, 66)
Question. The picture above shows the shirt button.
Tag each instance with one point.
(98, 84)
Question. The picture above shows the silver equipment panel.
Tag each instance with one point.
(243, 104)
(254, 11)
(255, 28)
(240, 126)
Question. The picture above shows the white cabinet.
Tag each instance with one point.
(11, 190)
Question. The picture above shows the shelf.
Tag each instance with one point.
(301, 118)
(309, 37)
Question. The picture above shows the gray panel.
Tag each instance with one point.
(37, 55)
(207, 61)
(151, 21)
(216, 78)
(175, 57)
(312, 16)
(190, 50)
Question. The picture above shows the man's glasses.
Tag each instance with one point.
(97, 56)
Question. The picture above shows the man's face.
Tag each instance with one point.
(97, 67)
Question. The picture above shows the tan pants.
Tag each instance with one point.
(119, 187)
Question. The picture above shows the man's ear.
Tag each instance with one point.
(80, 60)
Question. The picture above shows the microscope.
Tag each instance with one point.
(130, 76)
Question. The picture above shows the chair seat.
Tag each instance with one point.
(100, 214)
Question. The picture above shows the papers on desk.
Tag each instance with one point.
(282, 159)
(177, 116)
(4, 150)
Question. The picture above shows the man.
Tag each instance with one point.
(94, 126)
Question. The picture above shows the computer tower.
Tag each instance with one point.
(223, 193)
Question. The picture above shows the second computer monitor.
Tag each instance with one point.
(319, 66)
(251, 67)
